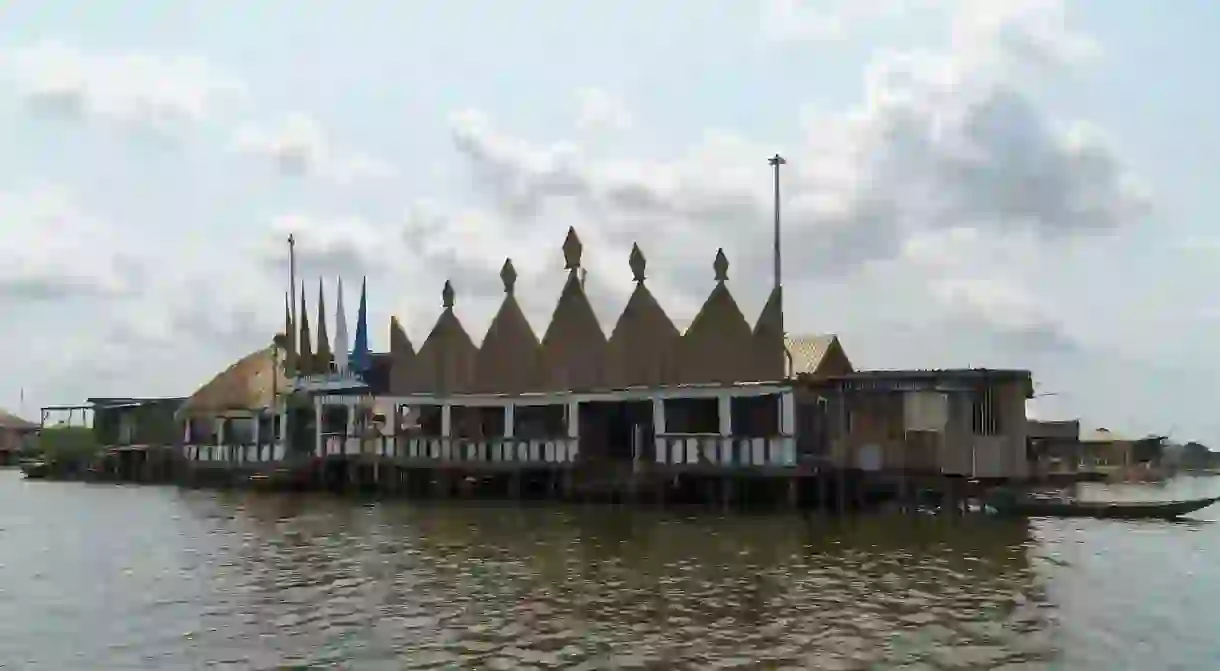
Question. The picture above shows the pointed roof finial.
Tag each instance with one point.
(447, 295)
(508, 275)
(637, 263)
(572, 249)
(721, 266)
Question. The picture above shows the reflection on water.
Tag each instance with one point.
(160, 578)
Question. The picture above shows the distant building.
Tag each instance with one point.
(723, 394)
(15, 434)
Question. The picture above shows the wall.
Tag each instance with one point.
(877, 419)
(153, 423)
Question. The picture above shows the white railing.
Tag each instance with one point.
(729, 451)
(518, 450)
(236, 454)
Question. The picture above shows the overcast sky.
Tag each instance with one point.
(1015, 183)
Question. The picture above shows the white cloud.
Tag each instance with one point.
(600, 110)
(940, 143)
(812, 20)
(911, 218)
(299, 145)
(56, 250)
(161, 93)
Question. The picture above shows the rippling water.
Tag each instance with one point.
(105, 577)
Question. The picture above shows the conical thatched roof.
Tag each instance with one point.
(248, 384)
(574, 347)
(770, 362)
(12, 422)
(508, 359)
(446, 361)
(718, 346)
(642, 349)
(402, 358)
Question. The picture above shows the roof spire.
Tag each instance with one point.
(508, 275)
(323, 356)
(721, 266)
(341, 347)
(290, 354)
(572, 249)
(637, 262)
(305, 355)
(361, 356)
(447, 296)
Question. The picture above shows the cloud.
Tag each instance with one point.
(55, 250)
(299, 146)
(140, 90)
(806, 20)
(601, 111)
(939, 143)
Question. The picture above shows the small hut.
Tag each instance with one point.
(14, 434)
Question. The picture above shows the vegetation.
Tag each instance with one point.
(65, 445)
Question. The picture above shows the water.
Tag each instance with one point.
(114, 578)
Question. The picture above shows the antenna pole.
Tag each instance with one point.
(292, 285)
(776, 161)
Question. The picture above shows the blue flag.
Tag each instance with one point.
(360, 358)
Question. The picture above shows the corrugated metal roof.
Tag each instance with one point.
(808, 351)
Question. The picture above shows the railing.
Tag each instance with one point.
(726, 451)
(439, 449)
(237, 454)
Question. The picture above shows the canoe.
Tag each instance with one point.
(36, 469)
(1163, 510)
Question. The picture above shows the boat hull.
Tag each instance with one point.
(1106, 510)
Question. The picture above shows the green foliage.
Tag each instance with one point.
(64, 444)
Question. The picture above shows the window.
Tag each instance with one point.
(985, 413)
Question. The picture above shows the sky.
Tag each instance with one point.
(1001, 183)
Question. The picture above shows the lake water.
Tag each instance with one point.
(97, 577)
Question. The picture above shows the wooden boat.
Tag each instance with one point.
(1127, 510)
(35, 470)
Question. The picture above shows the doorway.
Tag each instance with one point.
(614, 430)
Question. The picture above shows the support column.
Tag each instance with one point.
(660, 449)
(724, 408)
(258, 446)
(787, 413)
(446, 431)
(787, 428)
(349, 429)
(510, 429)
(573, 419)
(317, 426)
(221, 425)
(573, 430)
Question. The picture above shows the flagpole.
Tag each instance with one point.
(292, 284)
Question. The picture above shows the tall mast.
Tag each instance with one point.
(292, 284)
(776, 161)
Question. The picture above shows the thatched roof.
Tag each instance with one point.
(402, 358)
(248, 384)
(446, 361)
(643, 346)
(574, 346)
(718, 346)
(508, 359)
(818, 355)
(769, 358)
(11, 422)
